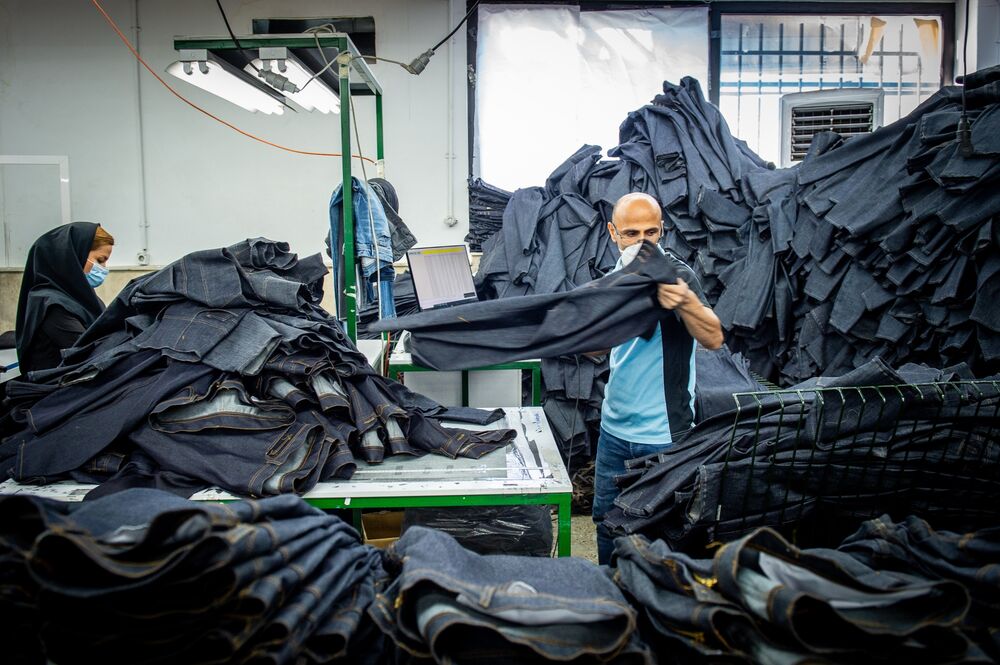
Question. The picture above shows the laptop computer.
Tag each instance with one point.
(442, 276)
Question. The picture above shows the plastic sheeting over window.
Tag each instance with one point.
(765, 57)
(552, 78)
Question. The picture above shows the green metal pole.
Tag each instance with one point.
(536, 386)
(565, 530)
(347, 211)
(380, 156)
(379, 141)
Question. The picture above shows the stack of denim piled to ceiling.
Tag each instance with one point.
(818, 456)
(146, 577)
(881, 245)
(445, 603)
(893, 594)
(221, 369)
(486, 206)
(553, 240)
(555, 237)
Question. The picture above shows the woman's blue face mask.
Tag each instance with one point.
(97, 275)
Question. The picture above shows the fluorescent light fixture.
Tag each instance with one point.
(312, 95)
(220, 78)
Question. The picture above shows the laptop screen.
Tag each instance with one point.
(442, 276)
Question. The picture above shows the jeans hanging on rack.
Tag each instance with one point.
(374, 252)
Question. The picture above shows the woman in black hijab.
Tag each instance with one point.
(57, 301)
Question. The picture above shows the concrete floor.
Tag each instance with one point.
(584, 542)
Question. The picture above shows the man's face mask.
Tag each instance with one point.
(630, 252)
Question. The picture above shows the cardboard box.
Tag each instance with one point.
(381, 529)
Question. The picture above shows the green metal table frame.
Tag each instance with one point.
(348, 59)
(562, 501)
(533, 366)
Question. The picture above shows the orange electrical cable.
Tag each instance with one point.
(184, 99)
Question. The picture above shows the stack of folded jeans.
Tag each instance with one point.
(817, 457)
(222, 369)
(444, 602)
(912, 547)
(763, 600)
(486, 206)
(146, 577)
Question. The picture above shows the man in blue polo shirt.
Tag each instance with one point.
(649, 397)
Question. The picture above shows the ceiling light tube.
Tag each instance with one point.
(312, 95)
(202, 69)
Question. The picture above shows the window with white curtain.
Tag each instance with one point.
(550, 79)
(766, 56)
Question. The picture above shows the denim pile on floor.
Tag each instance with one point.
(147, 577)
(760, 599)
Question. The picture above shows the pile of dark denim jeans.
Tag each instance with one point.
(553, 240)
(147, 577)
(221, 369)
(443, 602)
(818, 456)
(760, 599)
(486, 206)
(912, 547)
(555, 237)
(881, 245)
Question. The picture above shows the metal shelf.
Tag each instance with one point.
(339, 78)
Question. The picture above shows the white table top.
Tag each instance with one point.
(373, 350)
(400, 357)
(512, 470)
(7, 358)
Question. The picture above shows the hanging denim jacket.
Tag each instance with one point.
(368, 212)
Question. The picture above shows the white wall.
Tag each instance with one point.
(984, 34)
(988, 46)
(68, 86)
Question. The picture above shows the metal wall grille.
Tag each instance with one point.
(846, 120)
(765, 56)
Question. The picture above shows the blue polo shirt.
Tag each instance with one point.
(649, 397)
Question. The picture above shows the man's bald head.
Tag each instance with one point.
(636, 205)
(636, 217)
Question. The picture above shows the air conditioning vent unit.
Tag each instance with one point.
(849, 112)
